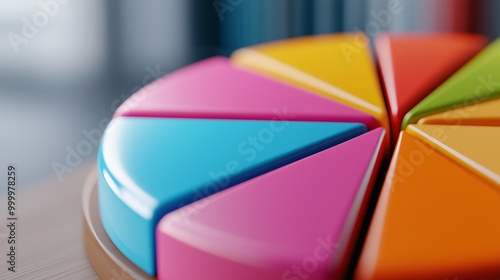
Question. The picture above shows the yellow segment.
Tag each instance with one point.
(337, 66)
(484, 113)
(476, 147)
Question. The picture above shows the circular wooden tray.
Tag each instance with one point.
(103, 255)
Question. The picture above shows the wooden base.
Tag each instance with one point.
(105, 258)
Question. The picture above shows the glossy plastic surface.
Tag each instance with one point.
(239, 128)
(434, 220)
(151, 166)
(485, 113)
(216, 89)
(413, 65)
(476, 147)
(478, 80)
(337, 66)
(296, 222)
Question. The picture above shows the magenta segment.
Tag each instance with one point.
(216, 89)
(296, 221)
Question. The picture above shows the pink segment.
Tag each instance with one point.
(214, 88)
(301, 219)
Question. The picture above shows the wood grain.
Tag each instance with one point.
(49, 239)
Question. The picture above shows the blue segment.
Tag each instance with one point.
(151, 166)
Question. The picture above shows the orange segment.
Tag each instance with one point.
(484, 114)
(434, 220)
(475, 147)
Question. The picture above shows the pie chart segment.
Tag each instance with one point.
(262, 166)
(435, 219)
(475, 147)
(296, 221)
(151, 166)
(413, 65)
(338, 66)
(476, 81)
(480, 114)
(214, 88)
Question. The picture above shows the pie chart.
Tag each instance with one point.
(319, 157)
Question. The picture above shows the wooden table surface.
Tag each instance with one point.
(49, 229)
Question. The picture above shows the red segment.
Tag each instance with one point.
(413, 65)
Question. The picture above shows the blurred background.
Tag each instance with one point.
(65, 65)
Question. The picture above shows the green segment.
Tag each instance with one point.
(478, 80)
